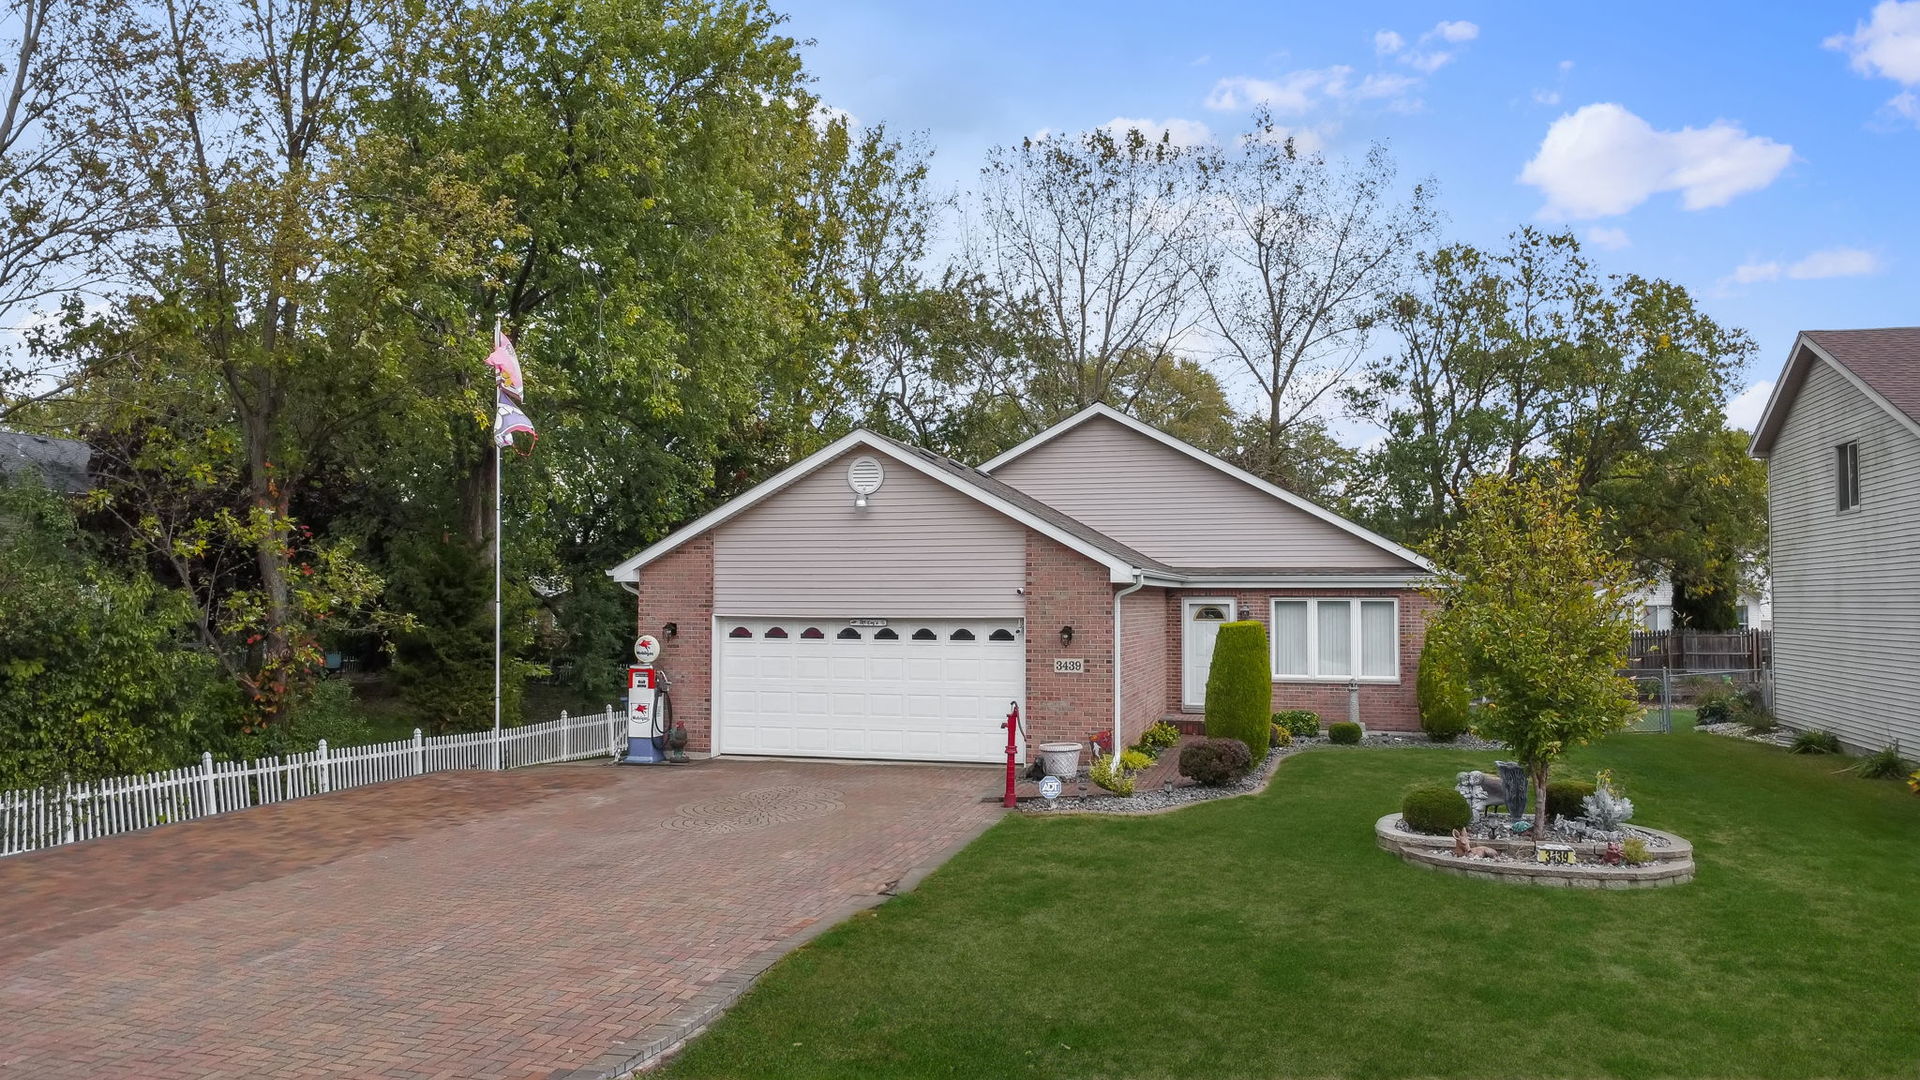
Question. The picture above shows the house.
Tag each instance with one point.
(61, 464)
(1841, 438)
(876, 600)
(1653, 606)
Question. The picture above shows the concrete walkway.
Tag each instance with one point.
(551, 922)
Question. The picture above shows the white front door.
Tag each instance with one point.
(914, 689)
(1200, 625)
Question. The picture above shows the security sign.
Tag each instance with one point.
(1050, 787)
(646, 648)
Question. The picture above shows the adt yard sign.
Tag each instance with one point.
(1050, 788)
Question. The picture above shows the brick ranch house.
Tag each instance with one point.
(877, 600)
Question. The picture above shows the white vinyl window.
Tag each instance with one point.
(1336, 640)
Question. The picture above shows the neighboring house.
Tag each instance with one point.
(1841, 438)
(1653, 606)
(807, 618)
(61, 464)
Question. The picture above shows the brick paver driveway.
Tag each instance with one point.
(461, 925)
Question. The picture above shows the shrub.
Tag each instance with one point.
(1281, 736)
(1435, 809)
(1444, 700)
(1716, 704)
(1215, 761)
(1563, 797)
(1119, 781)
(1158, 737)
(1815, 741)
(1885, 764)
(1300, 723)
(1633, 851)
(1344, 733)
(1240, 687)
(1757, 719)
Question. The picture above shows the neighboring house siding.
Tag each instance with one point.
(920, 548)
(1181, 511)
(1846, 585)
(1145, 655)
(678, 588)
(1065, 588)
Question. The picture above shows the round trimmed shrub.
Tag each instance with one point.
(1435, 809)
(1240, 688)
(1443, 697)
(1302, 723)
(1215, 761)
(1344, 733)
(1563, 798)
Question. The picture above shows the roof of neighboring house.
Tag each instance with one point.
(1883, 364)
(60, 463)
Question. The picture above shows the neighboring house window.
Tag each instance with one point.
(1336, 639)
(1745, 620)
(1659, 617)
(1846, 474)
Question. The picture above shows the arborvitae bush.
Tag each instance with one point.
(1240, 687)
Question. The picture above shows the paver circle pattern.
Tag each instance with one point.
(752, 810)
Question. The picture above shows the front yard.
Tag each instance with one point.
(1268, 937)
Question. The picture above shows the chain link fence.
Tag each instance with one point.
(1666, 691)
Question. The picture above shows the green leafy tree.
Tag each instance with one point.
(1240, 688)
(443, 661)
(1533, 611)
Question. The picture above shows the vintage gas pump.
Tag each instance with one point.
(649, 712)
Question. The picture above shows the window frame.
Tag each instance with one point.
(1355, 636)
(1846, 478)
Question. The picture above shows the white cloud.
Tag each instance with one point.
(1602, 160)
(1888, 44)
(1306, 140)
(1743, 412)
(1301, 91)
(1826, 263)
(1566, 65)
(1386, 42)
(1428, 61)
(824, 116)
(1546, 97)
(1608, 238)
(1455, 31)
(1180, 132)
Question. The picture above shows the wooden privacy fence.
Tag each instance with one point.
(47, 817)
(1652, 650)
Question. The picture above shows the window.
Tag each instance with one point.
(962, 634)
(812, 633)
(776, 632)
(1659, 617)
(1746, 618)
(1846, 475)
(924, 634)
(885, 635)
(1209, 613)
(1000, 635)
(848, 634)
(1336, 640)
(739, 631)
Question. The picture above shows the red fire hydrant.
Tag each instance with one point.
(1012, 724)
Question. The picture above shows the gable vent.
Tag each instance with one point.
(865, 475)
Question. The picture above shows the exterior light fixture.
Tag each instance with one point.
(672, 629)
(1066, 635)
(1167, 787)
(859, 502)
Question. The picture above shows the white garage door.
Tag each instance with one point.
(919, 690)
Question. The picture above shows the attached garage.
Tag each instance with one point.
(912, 689)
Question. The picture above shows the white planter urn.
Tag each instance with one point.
(1060, 759)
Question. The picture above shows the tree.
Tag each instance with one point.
(1304, 253)
(1240, 688)
(1534, 616)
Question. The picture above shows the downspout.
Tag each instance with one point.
(1139, 582)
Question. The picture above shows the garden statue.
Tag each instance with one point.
(1612, 857)
(1473, 787)
(1513, 784)
(1466, 849)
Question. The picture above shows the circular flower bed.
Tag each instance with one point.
(1496, 855)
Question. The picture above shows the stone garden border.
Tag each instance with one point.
(1672, 860)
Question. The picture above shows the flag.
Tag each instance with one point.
(509, 420)
(506, 363)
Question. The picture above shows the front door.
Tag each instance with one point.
(1200, 625)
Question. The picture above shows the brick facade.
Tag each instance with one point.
(1065, 588)
(1383, 706)
(678, 588)
(1147, 653)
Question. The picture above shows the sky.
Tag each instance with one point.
(1766, 156)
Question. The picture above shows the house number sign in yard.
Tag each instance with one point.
(1075, 666)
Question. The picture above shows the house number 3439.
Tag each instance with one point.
(1076, 666)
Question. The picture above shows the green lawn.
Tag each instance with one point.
(1268, 937)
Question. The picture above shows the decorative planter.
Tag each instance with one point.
(1671, 861)
(1060, 758)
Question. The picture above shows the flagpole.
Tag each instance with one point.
(496, 604)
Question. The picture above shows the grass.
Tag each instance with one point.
(1268, 937)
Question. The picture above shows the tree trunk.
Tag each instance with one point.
(1540, 819)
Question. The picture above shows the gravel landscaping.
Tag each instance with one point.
(1776, 737)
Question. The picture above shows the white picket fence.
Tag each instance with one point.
(47, 817)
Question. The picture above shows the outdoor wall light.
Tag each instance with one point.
(672, 629)
(859, 502)
(1066, 635)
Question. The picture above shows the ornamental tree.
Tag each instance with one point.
(1535, 619)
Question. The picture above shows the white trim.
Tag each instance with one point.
(1305, 581)
(1313, 639)
(1198, 454)
(1186, 602)
(1793, 376)
(1118, 569)
(713, 685)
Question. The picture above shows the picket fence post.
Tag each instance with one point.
(419, 754)
(326, 770)
(207, 797)
(613, 743)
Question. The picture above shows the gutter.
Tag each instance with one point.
(1139, 582)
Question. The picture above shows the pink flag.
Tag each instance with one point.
(506, 362)
(509, 420)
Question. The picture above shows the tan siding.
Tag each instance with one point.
(920, 548)
(1846, 586)
(1179, 510)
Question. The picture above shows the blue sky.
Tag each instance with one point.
(1767, 156)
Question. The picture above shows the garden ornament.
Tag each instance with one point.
(1513, 785)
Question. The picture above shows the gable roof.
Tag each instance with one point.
(1883, 364)
(1120, 560)
(60, 463)
(1311, 508)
